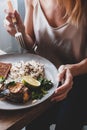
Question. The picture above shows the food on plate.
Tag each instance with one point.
(28, 80)
(21, 68)
(18, 93)
(1, 83)
(39, 92)
(25, 81)
(4, 70)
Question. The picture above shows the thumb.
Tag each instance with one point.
(18, 17)
(61, 75)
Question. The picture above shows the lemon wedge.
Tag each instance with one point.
(31, 81)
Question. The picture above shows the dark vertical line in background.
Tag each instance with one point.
(21, 8)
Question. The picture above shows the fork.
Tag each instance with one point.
(18, 35)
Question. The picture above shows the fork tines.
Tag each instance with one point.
(20, 39)
(18, 34)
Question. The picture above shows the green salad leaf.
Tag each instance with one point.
(43, 89)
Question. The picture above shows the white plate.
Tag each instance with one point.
(50, 72)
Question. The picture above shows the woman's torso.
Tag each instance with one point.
(63, 42)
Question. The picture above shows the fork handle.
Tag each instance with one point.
(10, 7)
(14, 20)
(15, 23)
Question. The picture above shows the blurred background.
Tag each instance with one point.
(7, 42)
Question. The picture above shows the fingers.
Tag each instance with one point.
(11, 15)
(18, 18)
(20, 24)
(62, 91)
(68, 77)
(8, 17)
(61, 72)
(9, 27)
(61, 68)
(59, 98)
(11, 30)
(8, 23)
(67, 85)
(61, 75)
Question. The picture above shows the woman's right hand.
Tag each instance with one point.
(9, 24)
(62, 91)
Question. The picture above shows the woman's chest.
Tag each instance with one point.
(53, 13)
(65, 40)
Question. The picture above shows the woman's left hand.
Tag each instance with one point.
(62, 91)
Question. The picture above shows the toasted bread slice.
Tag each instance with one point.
(4, 69)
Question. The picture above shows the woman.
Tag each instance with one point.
(57, 30)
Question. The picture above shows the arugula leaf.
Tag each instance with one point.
(36, 95)
(45, 83)
(43, 89)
